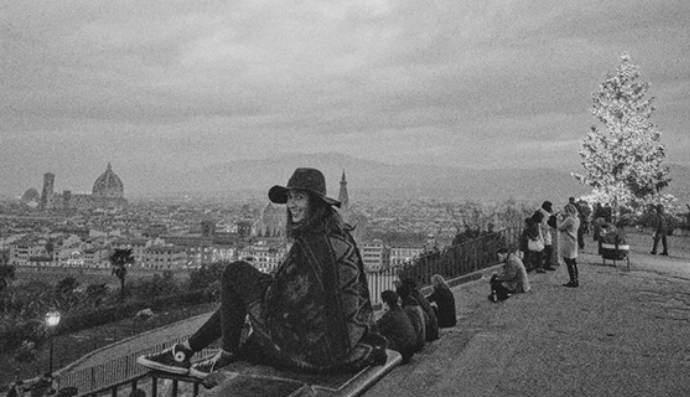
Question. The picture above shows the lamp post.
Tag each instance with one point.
(52, 320)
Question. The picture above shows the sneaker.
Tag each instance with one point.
(219, 360)
(173, 360)
(541, 271)
(664, 253)
(652, 252)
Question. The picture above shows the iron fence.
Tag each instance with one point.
(117, 376)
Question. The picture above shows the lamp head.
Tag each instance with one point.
(52, 318)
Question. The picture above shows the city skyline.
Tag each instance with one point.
(161, 87)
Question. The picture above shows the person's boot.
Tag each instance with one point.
(570, 274)
(576, 281)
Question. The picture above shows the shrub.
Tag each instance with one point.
(27, 352)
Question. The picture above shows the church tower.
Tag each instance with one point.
(342, 196)
(48, 190)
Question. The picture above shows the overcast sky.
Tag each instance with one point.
(468, 83)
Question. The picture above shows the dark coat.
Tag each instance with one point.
(316, 313)
(432, 321)
(396, 326)
(418, 319)
(446, 306)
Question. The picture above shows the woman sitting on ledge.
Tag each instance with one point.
(314, 314)
(513, 276)
(444, 300)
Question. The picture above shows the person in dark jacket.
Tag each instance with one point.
(416, 314)
(532, 243)
(314, 314)
(432, 322)
(660, 230)
(395, 325)
(444, 300)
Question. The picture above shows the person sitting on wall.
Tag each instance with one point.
(395, 325)
(444, 300)
(314, 314)
(432, 324)
(513, 276)
(416, 314)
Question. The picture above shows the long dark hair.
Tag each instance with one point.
(321, 217)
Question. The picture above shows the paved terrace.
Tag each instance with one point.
(620, 333)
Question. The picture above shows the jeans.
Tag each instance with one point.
(660, 235)
(534, 259)
(242, 289)
(548, 256)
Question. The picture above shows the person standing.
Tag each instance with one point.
(532, 243)
(568, 227)
(660, 230)
(547, 212)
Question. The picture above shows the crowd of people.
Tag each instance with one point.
(314, 313)
(546, 229)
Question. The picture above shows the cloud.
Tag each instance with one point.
(454, 83)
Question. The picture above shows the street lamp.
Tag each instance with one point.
(52, 320)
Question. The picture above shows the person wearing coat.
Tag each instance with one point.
(532, 243)
(430, 317)
(513, 275)
(567, 227)
(443, 297)
(660, 231)
(416, 314)
(314, 314)
(547, 212)
(395, 325)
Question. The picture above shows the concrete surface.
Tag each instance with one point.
(620, 333)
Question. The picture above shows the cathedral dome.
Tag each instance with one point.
(108, 184)
(30, 195)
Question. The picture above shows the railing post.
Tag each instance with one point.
(154, 386)
(174, 388)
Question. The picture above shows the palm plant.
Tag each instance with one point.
(119, 259)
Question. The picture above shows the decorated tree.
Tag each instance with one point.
(622, 161)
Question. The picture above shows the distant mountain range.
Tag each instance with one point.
(372, 179)
(375, 179)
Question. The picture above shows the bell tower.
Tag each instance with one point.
(342, 196)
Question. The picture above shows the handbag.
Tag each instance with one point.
(536, 245)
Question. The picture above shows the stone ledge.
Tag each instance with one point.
(243, 379)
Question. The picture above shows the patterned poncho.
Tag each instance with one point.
(316, 314)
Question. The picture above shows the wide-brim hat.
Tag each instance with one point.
(308, 179)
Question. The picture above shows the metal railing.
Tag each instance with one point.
(116, 376)
(454, 261)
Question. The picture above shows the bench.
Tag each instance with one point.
(614, 252)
